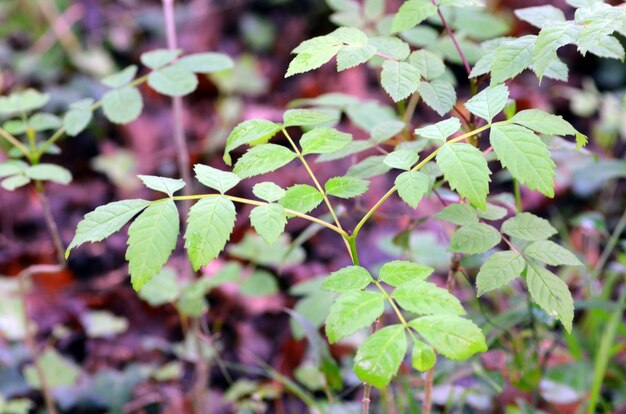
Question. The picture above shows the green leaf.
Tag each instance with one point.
(439, 95)
(474, 238)
(525, 156)
(543, 122)
(263, 159)
(268, 191)
(104, 221)
(499, 270)
(551, 253)
(161, 289)
(512, 58)
(378, 359)
(11, 167)
(369, 167)
(429, 65)
(423, 357)
(324, 141)
(209, 62)
(412, 13)
(209, 226)
(49, 172)
(57, 370)
(162, 184)
(260, 283)
(313, 53)
(173, 80)
(302, 198)
(151, 239)
(122, 106)
(551, 294)
(78, 117)
(219, 180)
(14, 182)
(550, 39)
(347, 279)
(459, 214)
(269, 221)
(21, 102)
(493, 212)
(488, 103)
(398, 272)
(122, 78)
(401, 159)
(440, 131)
(540, 16)
(391, 47)
(399, 79)
(466, 170)
(253, 131)
(307, 117)
(158, 58)
(527, 226)
(412, 186)
(351, 56)
(43, 122)
(453, 337)
(425, 298)
(346, 187)
(351, 312)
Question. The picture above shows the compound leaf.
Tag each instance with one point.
(454, 337)
(351, 312)
(525, 156)
(151, 240)
(210, 223)
(104, 221)
(377, 360)
(269, 221)
(499, 270)
(466, 170)
(347, 279)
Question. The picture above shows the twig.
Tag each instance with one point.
(51, 223)
(428, 391)
(453, 37)
(182, 151)
(29, 336)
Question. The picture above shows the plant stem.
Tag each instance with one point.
(259, 203)
(29, 336)
(518, 196)
(318, 185)
(453, 38)
(15, 142)
(314, 178)
(51, 223)
(182, 151)
(610, 246)
(428, 391)
(425, 161)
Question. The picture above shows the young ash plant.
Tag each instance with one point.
(426, 321)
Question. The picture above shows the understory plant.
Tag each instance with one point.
(413, 51)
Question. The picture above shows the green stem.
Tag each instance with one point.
(314, 178)
(518, 196)
(15, 142)
(425, 161)
(259, 203)
(96, 105)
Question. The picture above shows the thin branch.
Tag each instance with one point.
(15, 142)
(425, 161)
(29, 336)
(182, 150)
(453, 37)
